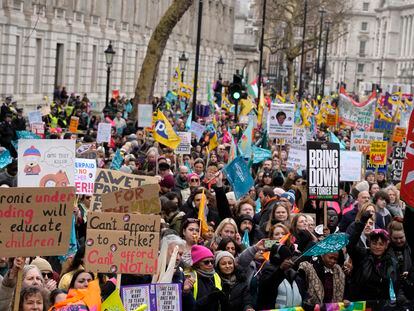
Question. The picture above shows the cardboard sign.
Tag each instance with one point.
(74, 123)
(86, 151)
(197, 129)
(185, 145)
(158, 297)
(46, 163)
(85, 173)
(35, 221)
(38, 128)
(378, 152)
(297, 158)
(122, 243)
(397, 166)
(34, 117)
(104, 133)
(385, 127)
(351, 167)
(144, 115)
(399, 134)
(108, 181)
(360, 141)
(144, 200)
(323, 170)
(281, 120)
(331, 120)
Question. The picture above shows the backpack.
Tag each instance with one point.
(288, 295)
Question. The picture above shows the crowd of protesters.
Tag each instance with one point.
(218, 269)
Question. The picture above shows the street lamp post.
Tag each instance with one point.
(321, 12)
(197, 58)
(109, 55)
(182, 60)
(302, 61)
(220, 66)
(325, 55)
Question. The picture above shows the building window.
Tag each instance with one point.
(364, 26)
(365, 6)
(360, 68)
(362, 46)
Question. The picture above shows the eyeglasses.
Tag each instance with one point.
(208, 262)
(194, 180)
(49, 275)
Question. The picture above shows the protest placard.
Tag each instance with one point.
(86, 151)
(350, 169)
(144, 200)
(34, 116)
(323, 170)
(144, 115)
(104, 133)
(46, 163)
(297, 158)
(185, 90)
(399, 134)
(385, 127)
(108, 181)
(73, 125)
(239, 177)
(122, 243)
(281, 120)
(378, 152)
(185, 145)
(158, 297)
(397, 165)
(35, 221)
(38, 128)
(360, 141)
(85, 173)
(331, 120)
(197, 129)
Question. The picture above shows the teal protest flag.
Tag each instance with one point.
(331, 244)
(117, 161)
(171, 97)
(5, 158)
(246, 240)
(245, 143)
(26, 135)
(188, 122)
(260, 154)
(258, 205)
(239, 177)
(336, 140)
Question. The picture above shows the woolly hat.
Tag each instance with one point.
(362, 186)
(199, 252)
(369, 173)
(244, 217)
(290, 195)
(279, 191)
(32, 151)
(221, 254)
(167, 182)
(42, 264)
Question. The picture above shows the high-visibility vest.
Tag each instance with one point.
(69, 110)
(53, 121)
(217, 284)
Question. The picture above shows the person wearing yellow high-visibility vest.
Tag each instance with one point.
(206, 283)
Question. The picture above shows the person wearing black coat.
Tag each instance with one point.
(234, 283)
(245, 222)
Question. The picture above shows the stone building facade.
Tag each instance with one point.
(62, 42)
(378, 48)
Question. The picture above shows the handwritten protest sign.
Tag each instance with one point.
(34, 116)
(38, 128)
(144, 200)
(378, 152)
(73, 125)
(158, 297)
(297, 158)
(85, 173)
(108, 181)
(104, 133)
(360, 141)
(350, 170)
(122, 243)
(144, 115)
(281, 120)
(86, 151)
(323, 170)
(399, 134)
(35, 221)
(185, 145)
(46, 163)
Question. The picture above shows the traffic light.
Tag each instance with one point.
(235, 91)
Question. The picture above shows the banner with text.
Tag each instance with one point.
(85, 173)
(360, 141)
(281, 120)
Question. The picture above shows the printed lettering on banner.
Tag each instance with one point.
(85, 173)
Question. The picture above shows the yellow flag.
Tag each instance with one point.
(113, 302)
(177, 75)
(213, 142)
(246, 105)
(260, 108)
(202, 214)
(164, 133)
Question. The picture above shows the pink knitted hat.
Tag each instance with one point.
(199, 252)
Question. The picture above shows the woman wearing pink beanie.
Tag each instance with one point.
(206, 283)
